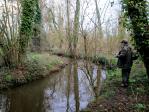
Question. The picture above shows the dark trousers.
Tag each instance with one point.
(125, 76)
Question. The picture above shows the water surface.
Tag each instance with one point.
(70, 90)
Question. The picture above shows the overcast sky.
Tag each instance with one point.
(109, 10)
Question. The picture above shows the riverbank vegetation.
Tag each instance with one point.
(36, 35)
(35, 67)
(113, 97)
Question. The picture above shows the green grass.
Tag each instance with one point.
(108, 94)
(137, 91)
(45, 59)
(140, 107)
(36, 66)
(8, 77)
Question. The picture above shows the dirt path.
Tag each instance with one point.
(122, 101)
(114, 98)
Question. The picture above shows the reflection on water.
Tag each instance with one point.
(4, 103)
(76, 86)
(67, 91)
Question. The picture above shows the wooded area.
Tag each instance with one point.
(78, 29)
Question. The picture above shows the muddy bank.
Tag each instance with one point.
(30, 71)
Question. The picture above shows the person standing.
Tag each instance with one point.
(125, 61)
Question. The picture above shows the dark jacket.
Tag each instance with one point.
(125, 58)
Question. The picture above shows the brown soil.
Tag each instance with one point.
(122, 101)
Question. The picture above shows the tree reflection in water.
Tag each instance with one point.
(69, 90)
(68, 87)
(93, 75)
(76, 86)
(4, 103)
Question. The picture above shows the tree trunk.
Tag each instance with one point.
(139, 20)
(85, 45)
(76, 27)
(146, 63)
(69, 37)
(99, 20)
(26, 27)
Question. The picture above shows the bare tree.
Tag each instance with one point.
(9, 24)
(68, 27)
(98, 19)
(76, 26)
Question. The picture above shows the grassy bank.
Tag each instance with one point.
(35, 67)
(114, 98)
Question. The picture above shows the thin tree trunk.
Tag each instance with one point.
(85, 45)
(99, 19)
(69, 37)
(76, 27)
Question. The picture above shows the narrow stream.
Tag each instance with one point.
(70, 90)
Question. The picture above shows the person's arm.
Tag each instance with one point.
(122, 53)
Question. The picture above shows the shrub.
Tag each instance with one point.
(100, 60)
(8, 77)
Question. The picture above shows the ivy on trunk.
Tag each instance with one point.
(136, 12)
(31, 15)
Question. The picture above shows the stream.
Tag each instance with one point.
(69, 90)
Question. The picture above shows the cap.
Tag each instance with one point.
(124, 41)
